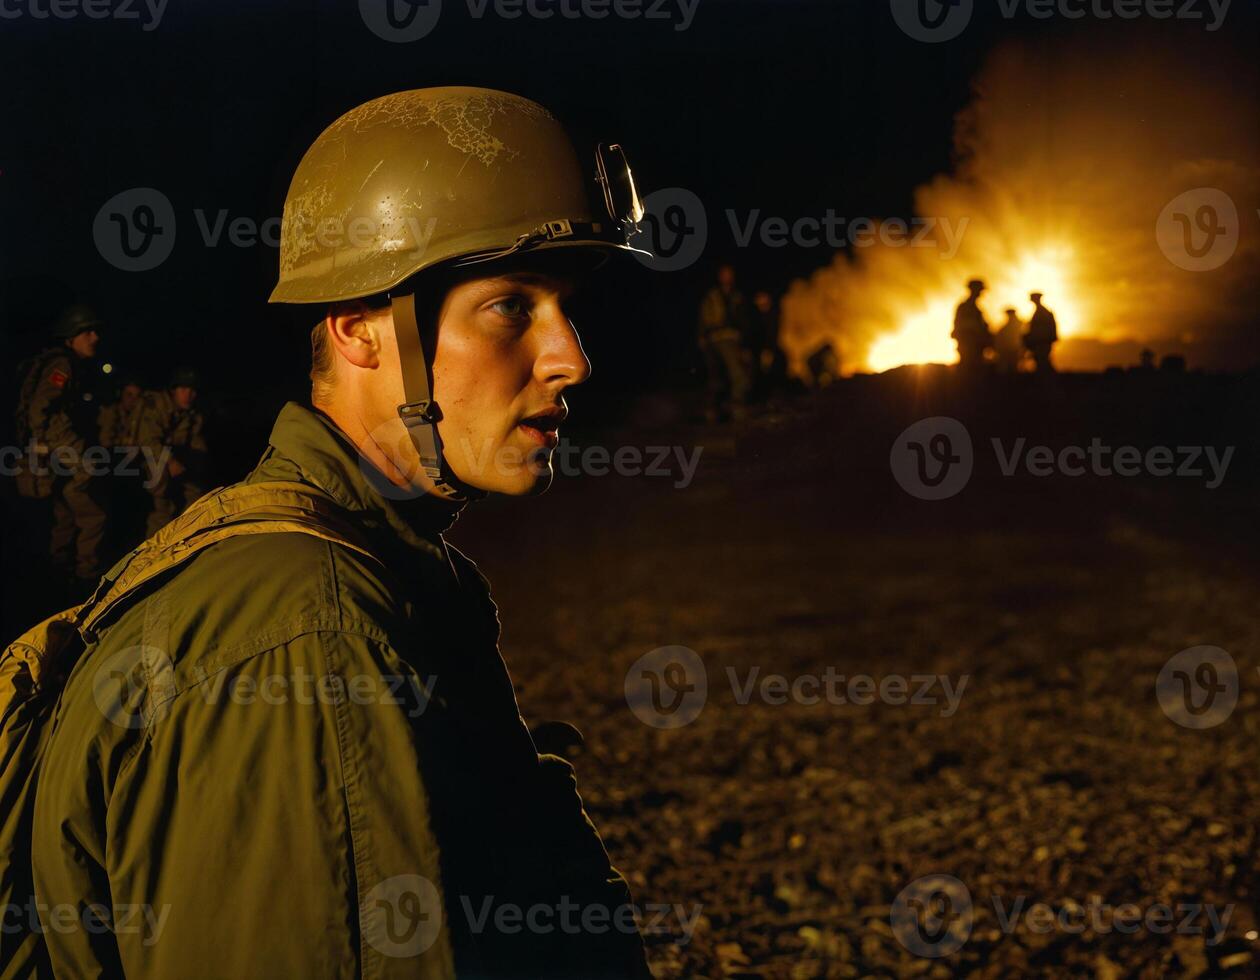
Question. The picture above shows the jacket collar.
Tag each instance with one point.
(307, 445)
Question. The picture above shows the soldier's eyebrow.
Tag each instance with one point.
(556, 284)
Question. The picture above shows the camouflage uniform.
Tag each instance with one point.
(53, 417)
(163, 426)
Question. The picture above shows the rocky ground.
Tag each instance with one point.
(1052, 776)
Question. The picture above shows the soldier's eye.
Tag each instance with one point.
(512, 307)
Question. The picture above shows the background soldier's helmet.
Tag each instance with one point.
(183, 377)
(75, 320)
(435, 175)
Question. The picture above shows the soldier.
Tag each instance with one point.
(1041, 336)
(118, 420)
(725, 323)
(169, 429)
(970, 329)
(1008, 343)
(769, 357)
(824, 365)
(54, 420)
(326, 771)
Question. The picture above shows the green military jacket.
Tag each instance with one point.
(290, 760)
(724, 316)
(161, 423)
(119, 424)
(48, 412)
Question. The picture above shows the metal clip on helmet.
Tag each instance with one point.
(451, 176)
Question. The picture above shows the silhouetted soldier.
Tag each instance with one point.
(1042, 334)
(768, 356)
(824, 366)
(725, 323)
(1008, 343)
(170, 428)
(970, 329)
(55, 422)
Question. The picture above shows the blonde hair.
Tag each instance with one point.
(322, 374)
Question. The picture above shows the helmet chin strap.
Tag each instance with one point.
(420, 413)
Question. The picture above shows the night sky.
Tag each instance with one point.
(789, 107)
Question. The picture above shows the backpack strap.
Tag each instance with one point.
(244, 508)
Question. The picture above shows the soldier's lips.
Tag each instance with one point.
(548, 438)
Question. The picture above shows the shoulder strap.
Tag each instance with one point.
(244, 508)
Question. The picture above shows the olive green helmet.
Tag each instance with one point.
(75, 320)
(436, 175)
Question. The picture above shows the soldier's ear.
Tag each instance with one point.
(355, 333)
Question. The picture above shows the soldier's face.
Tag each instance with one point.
(506, 352)
(129, 396)
(183, 396)
(84, 344)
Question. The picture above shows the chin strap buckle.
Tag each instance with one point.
(423, 412)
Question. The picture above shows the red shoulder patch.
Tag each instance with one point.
(58, 377)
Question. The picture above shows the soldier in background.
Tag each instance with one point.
(1008, 343)
(119, 419)
(824, 366)
(54, 422)
(1043, 331)
(127, 499)
(970, 329)
(725, 325)
(169, 427)
(768, 356)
